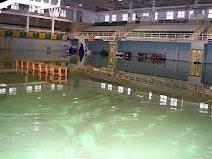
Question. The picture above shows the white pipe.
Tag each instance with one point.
(27, 23)
(53, 24)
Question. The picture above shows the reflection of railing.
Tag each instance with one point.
(143, 80)
(45, 71)
(144, 35)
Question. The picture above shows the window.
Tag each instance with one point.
(150, 95)
(114, 18)
(63, 13)
(59, 87)
(124, 17)
(12, 91)
(191, 12)
(32, 9)
(120, 89)
(163, 100)
(170, 15)
(210, 13)
(29, 89)
(38, 88)
(203, 106)
(134, 17)
(203, 12)
(3, 90)
(173, 102)
(15, 6)
(129, 90)
(52, 87)
(103, 85)
(107, 18)
(41, 11)
(110, 87)
(181, 14)
(145, 14)
(156, 15)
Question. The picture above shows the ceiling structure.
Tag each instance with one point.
(108, 5)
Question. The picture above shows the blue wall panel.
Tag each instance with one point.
(173, 50)
(97, 46)
(208, 53)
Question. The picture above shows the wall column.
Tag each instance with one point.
(196, 60)
(53, 25)
(131, 12)
(113, 48)
(27, 23)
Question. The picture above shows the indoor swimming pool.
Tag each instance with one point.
(87, 119)
(105, 79)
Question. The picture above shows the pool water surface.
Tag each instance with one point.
(83, 121)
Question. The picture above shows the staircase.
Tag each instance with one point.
(199, 31)
(123, 33)
(209, 31)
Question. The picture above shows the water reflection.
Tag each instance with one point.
(178, 70)
(45, 77)
(169, 69)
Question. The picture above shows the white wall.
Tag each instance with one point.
(100, 16)
(88, 16)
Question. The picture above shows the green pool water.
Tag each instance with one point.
(83, 121)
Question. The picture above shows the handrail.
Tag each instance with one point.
(145, 35)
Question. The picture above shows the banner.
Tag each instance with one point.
(35, 35)
(42, 35)
(59, 36)
(29, 34)
(22, 34)
(54, 36)
(16, 33)
(8, 33)
(48, 36)
(2, 33)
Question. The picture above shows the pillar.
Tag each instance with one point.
(75, 15)
(153, 9)
(196, 61)
(131, 12)
(113, 48)
(27, 23)
(53, 24)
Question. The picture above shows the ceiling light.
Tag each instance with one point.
(120, 0)
(80, 5)
(67, 6)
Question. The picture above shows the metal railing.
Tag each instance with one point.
(144, 35)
